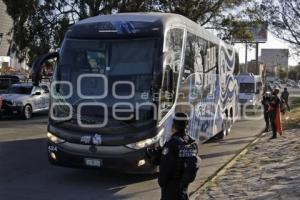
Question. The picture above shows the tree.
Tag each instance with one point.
(294, 72)
(39, 26)
(213, 14)
(283, 18)
(34, 31)
(282, 73)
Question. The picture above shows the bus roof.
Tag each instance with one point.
(153, 22)
(141, 17)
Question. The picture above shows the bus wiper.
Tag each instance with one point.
(127, 124)
(74, 118)
(64, 121)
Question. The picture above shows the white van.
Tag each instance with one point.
(250, 89)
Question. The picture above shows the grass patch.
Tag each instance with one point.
(209, 186)
(291, 120)
(241, 157)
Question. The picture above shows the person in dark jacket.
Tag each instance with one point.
(171, 176)
(275, 102)
(285, 96)
(265, 102)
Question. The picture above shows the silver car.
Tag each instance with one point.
(25, 99)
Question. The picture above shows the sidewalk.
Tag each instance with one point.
(269, 170)
(216, 154)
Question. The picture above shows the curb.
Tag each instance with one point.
(226, 166)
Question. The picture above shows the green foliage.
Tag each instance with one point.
(294, 73)
(282, 73)
(39, 26)
(213, 14)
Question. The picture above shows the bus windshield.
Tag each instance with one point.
(127, 66)
(247, 88)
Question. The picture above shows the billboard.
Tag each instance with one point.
(275, 57)
(251, 32)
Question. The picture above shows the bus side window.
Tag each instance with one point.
(189, 59)
(187, 89)
(173, 46)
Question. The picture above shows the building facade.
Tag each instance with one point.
(5, 26)
(275, 59)
(8, 59)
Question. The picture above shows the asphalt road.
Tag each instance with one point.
(294, 92)
(26, 174)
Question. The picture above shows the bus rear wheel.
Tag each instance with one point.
(226, 127)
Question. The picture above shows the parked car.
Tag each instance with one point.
(276, 84)
(24, 99)
(296, 86)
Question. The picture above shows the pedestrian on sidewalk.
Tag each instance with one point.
(265, 102)
(274, 104)
(285, 96)
(179, 162)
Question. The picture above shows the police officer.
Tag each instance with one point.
(275, 102)
(265, 102)
(174, 185)
(285, 96)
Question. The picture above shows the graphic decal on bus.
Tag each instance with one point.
(209, 113)
(228, 82)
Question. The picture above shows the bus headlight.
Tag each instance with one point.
(145, 143)
(54, 139)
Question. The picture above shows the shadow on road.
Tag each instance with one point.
(218, 154)
(26, 174)
(35, 116)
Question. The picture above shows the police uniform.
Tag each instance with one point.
(265, 102)
(171, 179)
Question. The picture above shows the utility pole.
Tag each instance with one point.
(256, 56)
(246, 58)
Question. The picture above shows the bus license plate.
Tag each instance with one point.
(93, 162)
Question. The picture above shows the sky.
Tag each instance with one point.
(272, 43)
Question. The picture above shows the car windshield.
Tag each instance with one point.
(19, 90)
(107, 68)
(246, 87)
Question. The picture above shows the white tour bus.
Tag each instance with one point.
(148, 65)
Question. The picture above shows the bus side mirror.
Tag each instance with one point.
(37, 66)
(257, 91)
